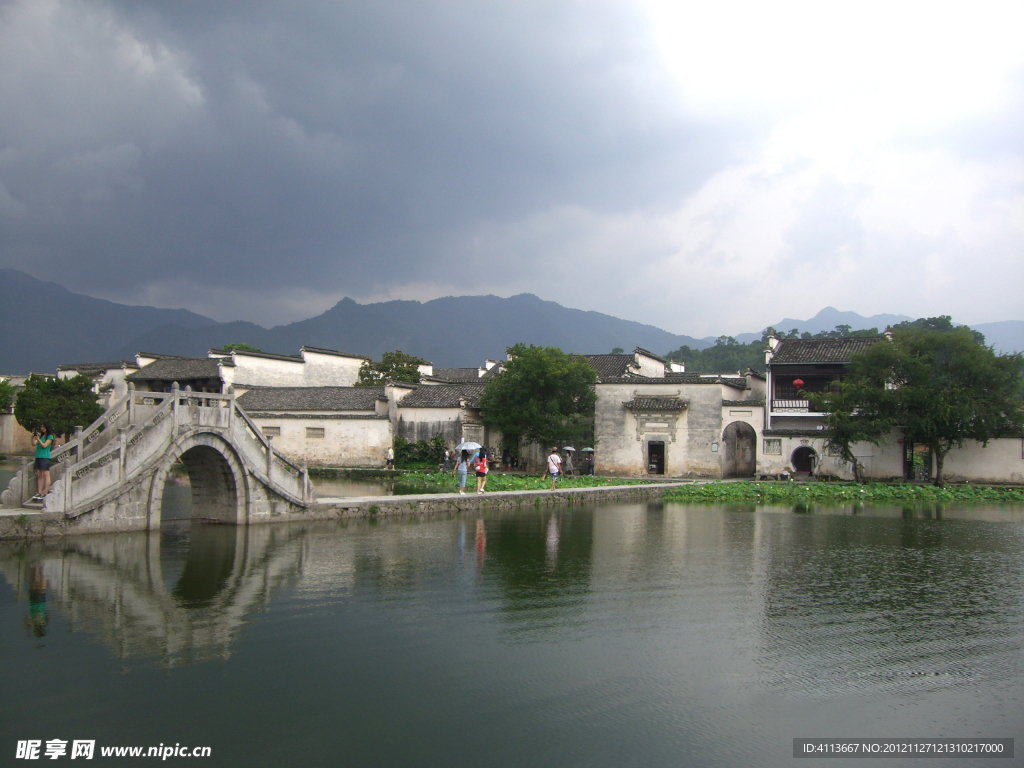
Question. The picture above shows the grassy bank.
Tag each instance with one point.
(442, 482)
(841, 493)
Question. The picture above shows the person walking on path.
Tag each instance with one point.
(391, 458)
(43, 441)
(447, 460)
(568, 464)
(461, 470)
(590, 463)
(554, 467)
(480, 465)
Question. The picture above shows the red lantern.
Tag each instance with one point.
(798, 383)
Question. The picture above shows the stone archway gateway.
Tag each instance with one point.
(112, 475)
(739, 457)
(804, 459)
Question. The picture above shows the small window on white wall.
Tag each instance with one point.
(316, 433)
(773, 446)
(272, 431)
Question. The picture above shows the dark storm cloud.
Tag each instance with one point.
(328, 146)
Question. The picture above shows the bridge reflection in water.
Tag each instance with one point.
(146, 597)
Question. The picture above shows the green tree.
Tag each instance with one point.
(393, 366)
(6, 396)
(63, 403)
(941, 387)
(726, 355)
(542, 396)
(855, 414)
(238, 346)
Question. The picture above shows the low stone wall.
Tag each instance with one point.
(54, 524)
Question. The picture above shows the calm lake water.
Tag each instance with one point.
(619, 635)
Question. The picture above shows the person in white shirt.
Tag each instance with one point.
(554, 466)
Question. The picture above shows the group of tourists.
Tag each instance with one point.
(464, 462)
(462, 467)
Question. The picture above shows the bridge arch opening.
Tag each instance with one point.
(215, 493)
(213, 478)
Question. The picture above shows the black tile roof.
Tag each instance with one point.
(792, 351)
(311, 398)
(736, 382)
(743, 403)
(177, 369)
(456, 374)
(648, 353)
(655, 403)
(92, 369)
(443, 396)
(161, 356)
(610, 366)
(265, 355)
(336, 353)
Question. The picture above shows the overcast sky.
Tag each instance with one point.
(704, 167)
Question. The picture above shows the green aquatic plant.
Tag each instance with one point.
(445, 482)
(841, 493)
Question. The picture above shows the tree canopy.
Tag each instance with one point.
(239, 346)
(541, 396)
(62, 403)
(6, 395)
(393, 366)
(938, 384)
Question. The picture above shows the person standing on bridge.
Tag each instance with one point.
(43, 441)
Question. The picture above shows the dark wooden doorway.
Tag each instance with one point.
(656, 458)
(917, 462)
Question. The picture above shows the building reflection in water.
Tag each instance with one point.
(114, 586)
(823, 601)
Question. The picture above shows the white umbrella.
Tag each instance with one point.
(569, 448)
(469, 446)
(587, 450)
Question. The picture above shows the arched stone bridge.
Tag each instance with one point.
(111, 475)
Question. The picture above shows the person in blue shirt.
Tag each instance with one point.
(43, 440)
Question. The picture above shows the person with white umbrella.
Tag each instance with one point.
(461, 470)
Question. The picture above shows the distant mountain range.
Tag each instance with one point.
(43, 325)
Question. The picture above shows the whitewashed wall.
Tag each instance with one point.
(1001, 461)
(689, 452)
(348, 441)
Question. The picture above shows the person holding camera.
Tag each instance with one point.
(43, 440)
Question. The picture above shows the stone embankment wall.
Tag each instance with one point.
(42, 525)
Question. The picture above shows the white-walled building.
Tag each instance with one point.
(323, 426)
